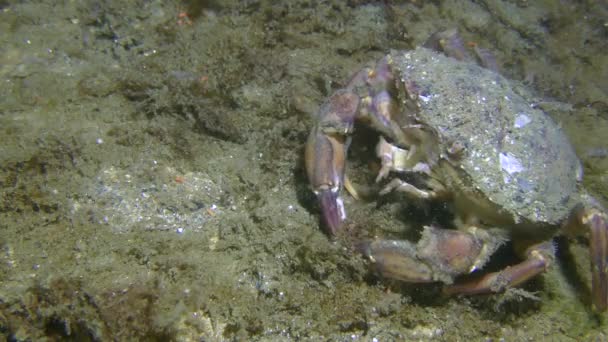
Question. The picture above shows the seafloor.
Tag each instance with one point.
(152, 183)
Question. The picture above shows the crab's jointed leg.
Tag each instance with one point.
(591, 217)
(538, 258)
(598, 249)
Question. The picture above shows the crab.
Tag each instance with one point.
(456, 131)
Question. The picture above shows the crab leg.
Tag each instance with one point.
(592, 218)
(538, 258)
(597, 224)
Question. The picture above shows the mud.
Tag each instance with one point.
(152, 184)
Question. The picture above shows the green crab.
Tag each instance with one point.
(456, 131)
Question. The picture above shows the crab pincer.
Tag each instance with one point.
(325, 155)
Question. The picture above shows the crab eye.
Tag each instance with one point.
(456, 148)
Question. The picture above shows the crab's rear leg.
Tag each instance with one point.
(538, 258)
(598, 249)
(592, 218)
(444, 254)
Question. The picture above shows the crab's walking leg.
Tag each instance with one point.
(538, 258)
(599, 258)
(591, 218)
(594, 219)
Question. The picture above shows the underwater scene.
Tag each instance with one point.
(304, 170)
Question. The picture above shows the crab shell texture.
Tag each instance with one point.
(517, 171)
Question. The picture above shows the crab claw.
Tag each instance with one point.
(325, 155)
(332, 210)
(439, 255)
